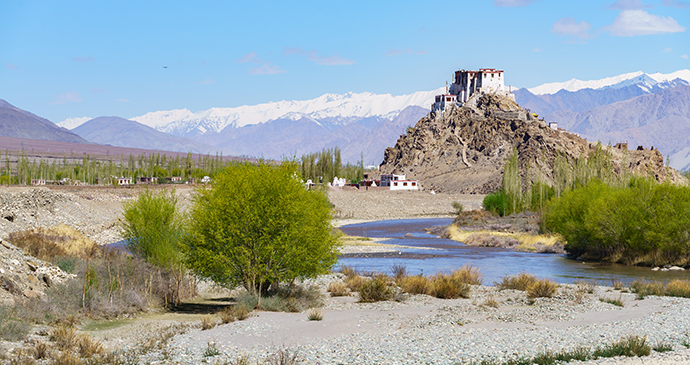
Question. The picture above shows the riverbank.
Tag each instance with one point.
(489, 325)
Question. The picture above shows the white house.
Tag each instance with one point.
(398, 182)
(124, 181)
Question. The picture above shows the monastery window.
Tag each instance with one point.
(395, 184)
(414, 183)
(404, 184)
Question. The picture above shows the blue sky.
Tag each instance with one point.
(61, 59)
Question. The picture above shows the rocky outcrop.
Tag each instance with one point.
(463, 150)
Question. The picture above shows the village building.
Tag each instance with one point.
(206, 179)
(124, 181)
(398, 182)
(147, 180)
(176, 179)
(38, 182)
(466, 83)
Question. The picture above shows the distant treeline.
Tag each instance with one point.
(322, 167)
(18, 168)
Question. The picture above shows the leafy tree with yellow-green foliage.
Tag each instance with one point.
(257, 225)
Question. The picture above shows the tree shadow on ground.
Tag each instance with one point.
(207, 306)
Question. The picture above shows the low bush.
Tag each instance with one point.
(227, 315)
(662, 347)
(678, 288)
(544, 288)
(644, 288)
(355, 283)
(468, 275)
(337, 289)
(11, 328)
(522, 281)
(447, 287)
(55, 242)
(496, 202)
(415, 284)
(283, 356)
(283, 298)
(376, 290)
(490, 302)
(629, 346)
(399, 272)
(457, 207)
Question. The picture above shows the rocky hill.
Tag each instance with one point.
(464, 149)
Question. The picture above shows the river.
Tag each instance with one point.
(436, 254)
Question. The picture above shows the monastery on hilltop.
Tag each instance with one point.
(466, 83)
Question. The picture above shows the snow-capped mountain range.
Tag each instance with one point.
(640, 78)
(332, 108)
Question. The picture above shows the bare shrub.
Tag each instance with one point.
(644, 288)
(41, 350)
(354, 283)
(585, 286)
(490, 302)
(399, 272)
(284, 356)
(348, 271)
(65, 337)
(88, 347)
(544, 288)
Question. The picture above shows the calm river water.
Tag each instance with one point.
(493, 263)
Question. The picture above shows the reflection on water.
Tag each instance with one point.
(493, 263)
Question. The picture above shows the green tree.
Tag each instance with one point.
(154, 230)
(257, 225)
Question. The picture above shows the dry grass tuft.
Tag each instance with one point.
(521, 281)
(544, 288)
(227, 315)
(88, 347)
(65, 337)
(468, 275)
(678, 288)
(207, 322)
(415, 285)
(338, 289)
(490, 302)
(618, 285)
(315, 314)
(348, 271)
(284, 356)
(41, 350)
(446, 287)
(585, 286)
(644, 288)
(355, 283)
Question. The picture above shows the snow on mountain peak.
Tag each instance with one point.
(71, 123)
(639, 77)
(341, 107)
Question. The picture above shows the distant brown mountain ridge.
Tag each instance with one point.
(18, 123)
(464, 149)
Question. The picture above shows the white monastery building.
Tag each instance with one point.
(398, 182)
(466, 83)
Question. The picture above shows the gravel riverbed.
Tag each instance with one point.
(425, 330)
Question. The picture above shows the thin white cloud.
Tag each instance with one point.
(67, 97)
(535, 49)
(676, 4)
(82, 59)
(313, 56)
(207, 81)
(122, 100)
(568, 27)
(639, 22)
(266, 69)
(408, 50)
(513, 3)
(11, 66)
(667, 50)
(628, 5)
(203, 63)
(98, 90)
(251, 57)
(685, 57)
